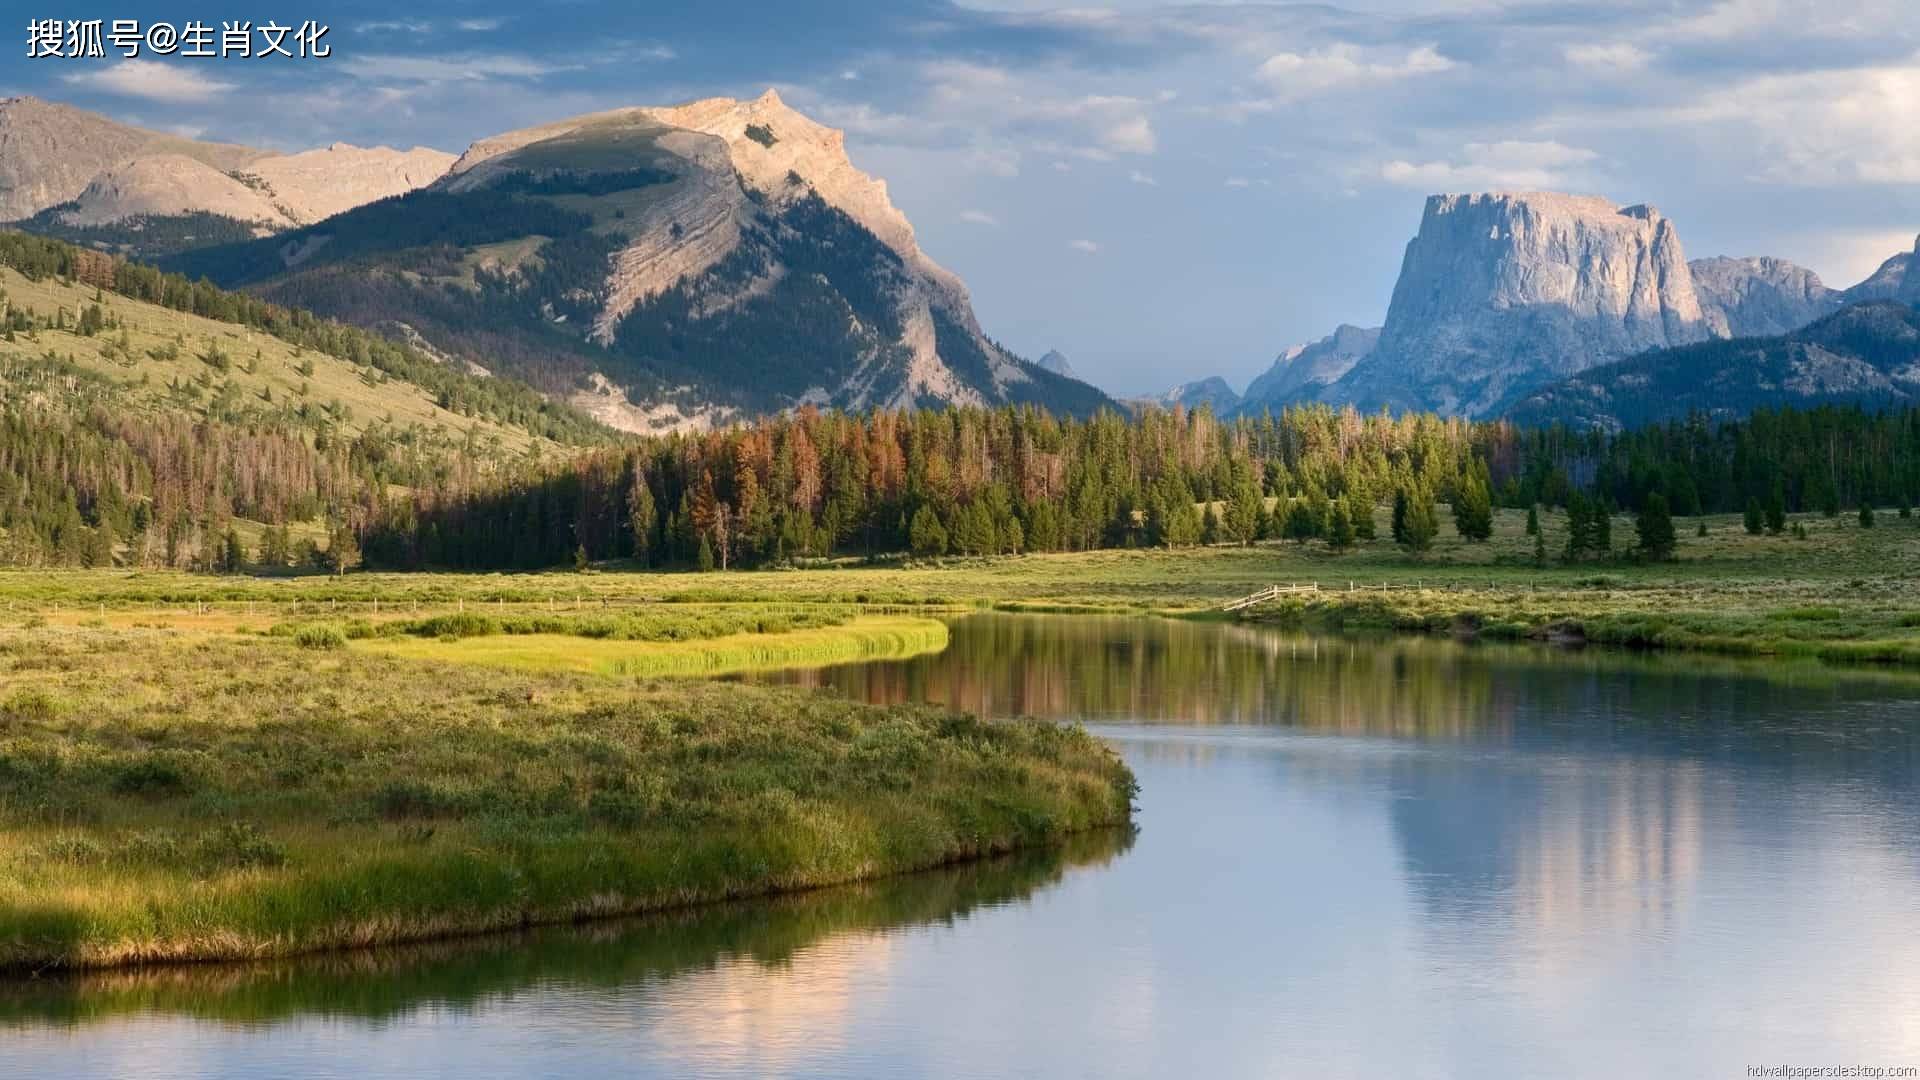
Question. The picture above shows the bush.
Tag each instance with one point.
(320, 636)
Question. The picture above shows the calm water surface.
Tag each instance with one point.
(1402, 858)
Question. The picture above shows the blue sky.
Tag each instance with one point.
(1160, 191)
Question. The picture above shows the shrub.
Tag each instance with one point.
(320, 636)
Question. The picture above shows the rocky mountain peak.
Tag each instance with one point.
(1897, 279)
(1056, 362)
(1756, 297)
(1501, 292)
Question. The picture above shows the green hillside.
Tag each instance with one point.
(67, 326)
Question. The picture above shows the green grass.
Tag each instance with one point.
(1844, 593)
(869, 637)
(176, 796)
(155, 332)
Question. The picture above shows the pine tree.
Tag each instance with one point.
(1420, 525)
(927, 536)
(233, 558)
(1754, 518)
(580, 562)
(1360, 512)
(642, 517)
(1533, 520)
(1777, 511)
(703, 559)
(1654, 528)
(1473, 504)
(1866, 515)
(1340, 529)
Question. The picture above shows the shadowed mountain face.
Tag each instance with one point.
(662, 268)
(1303, 372)
(1867, 353)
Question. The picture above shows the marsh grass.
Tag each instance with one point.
(866, 637)
(171, 797)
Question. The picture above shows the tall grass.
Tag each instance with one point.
(175, 798)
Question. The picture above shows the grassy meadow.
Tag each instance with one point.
(172, 362)
(1843, 592)
(195, 793)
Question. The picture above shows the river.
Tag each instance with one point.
(1408, 858)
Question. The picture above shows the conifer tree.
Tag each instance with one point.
(1654, 528)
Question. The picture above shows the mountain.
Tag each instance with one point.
(660, 268)
(1500, 294)
(75, 175)
(1897, 279)
(1759, 297)
(1865, 353)
(1300, 372)
(162, 347)
(1055, 362)
(1211, 391)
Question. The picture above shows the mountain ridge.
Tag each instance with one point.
(662, 267)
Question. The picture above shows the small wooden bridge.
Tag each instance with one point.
(1274, 592)
(1269, 593)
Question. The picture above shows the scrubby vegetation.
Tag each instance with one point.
(190, 798)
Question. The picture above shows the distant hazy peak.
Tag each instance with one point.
(1056, 362)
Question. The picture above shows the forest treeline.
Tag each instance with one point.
(977, 481)
(91, 487)
(85, 483)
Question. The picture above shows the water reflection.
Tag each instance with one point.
(1398, 857)
(386, 986)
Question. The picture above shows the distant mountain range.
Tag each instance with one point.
(1501, 296)
(1866, 353)
(1213, 392)
(83, 177)
(657, 267)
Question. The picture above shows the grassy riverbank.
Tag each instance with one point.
(187, 796)
(863, 637)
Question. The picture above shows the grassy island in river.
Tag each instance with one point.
(181, 796)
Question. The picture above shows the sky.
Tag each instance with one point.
(1160, 191)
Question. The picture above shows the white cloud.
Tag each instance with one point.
(979, 217)
(1238, 182)
(153, 80)
(1617, 56)
(1507, 164)
(1819, 128)
(493, 23)
(1139, 177)
(1085, 246)
(1843, 257)
(444, 69)
(1292, 75)
(394, 26)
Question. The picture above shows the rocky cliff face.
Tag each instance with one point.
(74, 168)
(1502, 293)
(1759, 297)
(664, 267)
(737, 164)
(1301, 372)
(1897, 279)
(50, 152)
